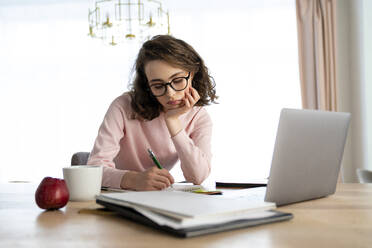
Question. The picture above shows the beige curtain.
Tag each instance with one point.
(316, 44)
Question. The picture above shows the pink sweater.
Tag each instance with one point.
(122, 143)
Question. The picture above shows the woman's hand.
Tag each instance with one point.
(151, 179)
(171, 116)
(191, 98)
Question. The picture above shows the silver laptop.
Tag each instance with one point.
(307, 155)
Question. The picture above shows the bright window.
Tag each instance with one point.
(56, 83)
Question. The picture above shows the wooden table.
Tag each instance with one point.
(340, 220)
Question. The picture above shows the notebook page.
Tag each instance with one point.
(186, 187)
(187, 205)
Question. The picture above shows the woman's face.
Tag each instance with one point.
(159, 72)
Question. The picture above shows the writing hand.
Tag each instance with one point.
(151, 179)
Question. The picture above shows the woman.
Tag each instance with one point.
(164, 112)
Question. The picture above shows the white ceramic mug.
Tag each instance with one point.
(83, 181)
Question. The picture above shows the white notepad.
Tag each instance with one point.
(186, 205)
(187, 187)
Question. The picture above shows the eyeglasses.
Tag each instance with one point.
(177, 84)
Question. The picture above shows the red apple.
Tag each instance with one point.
(52, 193)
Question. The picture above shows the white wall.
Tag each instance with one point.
(354, 57)
(367, 7)
(56, 82)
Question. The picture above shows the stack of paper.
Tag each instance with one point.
(178, 209)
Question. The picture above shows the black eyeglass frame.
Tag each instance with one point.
(170, 84)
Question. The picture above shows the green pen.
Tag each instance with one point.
(152, 156)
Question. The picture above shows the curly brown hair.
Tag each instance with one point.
(175, 52)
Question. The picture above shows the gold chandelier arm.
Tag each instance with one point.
(127, 19)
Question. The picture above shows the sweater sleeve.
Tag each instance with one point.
(107, 145)
(194, 150)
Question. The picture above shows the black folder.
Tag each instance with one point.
(135, 216)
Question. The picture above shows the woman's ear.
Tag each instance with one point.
(192, 78)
